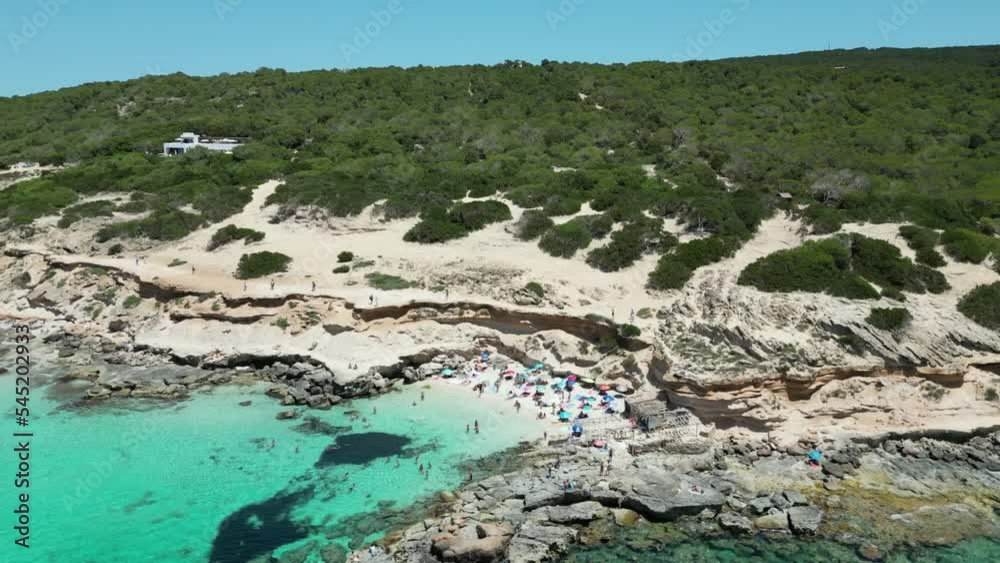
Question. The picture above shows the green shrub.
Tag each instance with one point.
(231, 233)
(669, 273)
(968, 246)
(702, 252)
(132, 301)
(889, 319)
(116, 248)
(823, 220)
(991, 394)
(438, 225)
(644, 313)
(563, 241)
(435, 226)
(893, 293)
(162, 224)
(930, 257)
(982, 305)
(476, 215)
(842, 266)
(531, 225)
(26, 201)
(919, 237)
(536, 288)
(281, 322)
(100, 208)
(387, 282)
(176, 262)
(260, 264)
(597, 225)
(345, 256)
(342, 269)
(852, 287)
(629, 244)
(629, 331)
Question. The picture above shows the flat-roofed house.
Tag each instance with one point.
(190, 141)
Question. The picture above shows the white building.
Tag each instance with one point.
(189, 141)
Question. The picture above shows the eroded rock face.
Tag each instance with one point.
(805, 519)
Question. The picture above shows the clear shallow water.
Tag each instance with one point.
(200, 481)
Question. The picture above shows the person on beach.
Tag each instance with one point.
(192, 270)
(244, 286)
(314, 286)
(374, 411)
(477, 426)
(470, 475)
(371, 299)
(421, 468)
(421, 395)
(466, 428)
(272, 285)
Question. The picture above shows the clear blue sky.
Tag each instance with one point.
(89, 40)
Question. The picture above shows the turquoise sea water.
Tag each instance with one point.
(210, 480)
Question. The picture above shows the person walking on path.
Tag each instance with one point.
(244, 286)
(272, 284)
(314, 287)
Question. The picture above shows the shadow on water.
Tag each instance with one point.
(312, 426)
(359, 449)
(259, 528)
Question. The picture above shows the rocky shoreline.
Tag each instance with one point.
(530, 516)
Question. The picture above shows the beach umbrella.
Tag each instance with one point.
(590, 399)
(484, 355)
(604, 387)
(563, 415)
(621, 389)
(815, 455)
(577, 429)
(586, 407)
(539, 366)
(600, 443)
(571, 378)
(587, 380)
(447, 372)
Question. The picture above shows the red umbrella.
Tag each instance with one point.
(604, 387)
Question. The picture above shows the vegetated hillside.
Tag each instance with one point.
(852, 135)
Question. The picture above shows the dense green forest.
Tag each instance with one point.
(861, 135)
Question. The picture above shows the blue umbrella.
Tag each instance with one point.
(577, 429)
(815, 455)
(484, 355)
(447, 372)
(564, 415)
